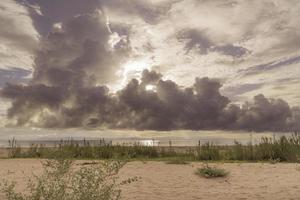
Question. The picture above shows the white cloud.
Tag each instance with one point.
(18, 37)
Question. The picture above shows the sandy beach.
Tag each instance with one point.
(178, 182)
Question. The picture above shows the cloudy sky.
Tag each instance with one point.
(54, 52)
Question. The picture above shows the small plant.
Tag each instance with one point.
(274, 161)
(61, 181)
(211, 172)
(14, 149)
(177, 162)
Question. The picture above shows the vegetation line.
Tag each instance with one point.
(283, 149)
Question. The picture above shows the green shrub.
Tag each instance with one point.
(211, 172)
(61, 181)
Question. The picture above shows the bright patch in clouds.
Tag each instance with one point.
(132, 69)
(150, 87)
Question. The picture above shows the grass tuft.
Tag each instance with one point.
(211, 172)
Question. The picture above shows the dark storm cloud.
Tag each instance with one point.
(150, 77)
(172, 107)
(167, 107)
(55, 11)
(72, 60)
(264, 114)
(28, 100)
(78, 54)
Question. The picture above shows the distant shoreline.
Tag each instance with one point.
(152, 138)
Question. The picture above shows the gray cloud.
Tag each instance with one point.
(241, 89)
(199, 40)
(79, 54)
(172, 107)
(265, 114)
(195, 39)
(293, 122)
(270, 66)
(55, 11)
(72, 61)
(167, 107)
(13, 75)
(231, 50)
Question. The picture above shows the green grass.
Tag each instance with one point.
(211, 172)
(283, 149)
(208, 151)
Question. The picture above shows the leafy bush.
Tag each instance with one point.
(63, 181)
(211, 172)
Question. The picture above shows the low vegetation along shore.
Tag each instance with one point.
(82, 171)
(283, 149)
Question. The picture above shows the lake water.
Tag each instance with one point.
(27, 136)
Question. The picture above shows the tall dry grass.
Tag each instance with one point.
(284, 149)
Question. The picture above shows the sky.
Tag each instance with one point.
(155, 64)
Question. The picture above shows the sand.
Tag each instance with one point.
(178, 182)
